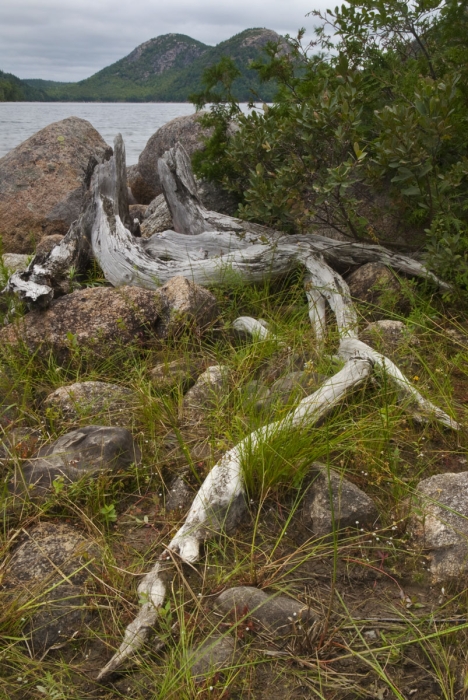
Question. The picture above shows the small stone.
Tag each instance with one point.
(49, 569)
(188, 304)
(273, 613)
(349, 503)
(215, 654)
(207, 392)
(157, 218)
(255, 393)
(377, 286)
(178, 373)
(16, 261)
(386, 336)
(83, 452)
(48, 243)
(98, 401)
(179, 496)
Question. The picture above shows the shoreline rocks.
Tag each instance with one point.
(351, 506)
(101, 318)
(439, 523)
(109, 403)
(43, 182)
(143, 179)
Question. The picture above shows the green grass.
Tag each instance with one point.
(348, 579)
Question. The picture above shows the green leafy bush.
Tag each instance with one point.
(367, 134)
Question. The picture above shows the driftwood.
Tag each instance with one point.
(206, 247)
(209, 248)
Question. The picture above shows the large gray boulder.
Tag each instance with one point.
(216, 198)
(43, 182)
(144, 181)
(48, 571)
(101, 319)
(83, 452)
(439, 524)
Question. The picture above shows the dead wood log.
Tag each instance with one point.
(203, 234)
(208, 248)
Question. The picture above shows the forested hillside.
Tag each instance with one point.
(169, 68)
(12, 89)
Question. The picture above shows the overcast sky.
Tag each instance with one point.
(71, 39)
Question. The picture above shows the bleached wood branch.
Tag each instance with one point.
(252, 326)
(151, 592)
(49, 275)
(424, 410)
(219, 503)
(317, 311)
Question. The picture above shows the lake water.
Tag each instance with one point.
(136, 122)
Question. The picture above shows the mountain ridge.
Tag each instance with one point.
(168, 68)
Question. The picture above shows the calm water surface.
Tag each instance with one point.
(136, 122)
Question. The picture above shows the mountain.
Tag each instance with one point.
(12, 89)
(168, 68)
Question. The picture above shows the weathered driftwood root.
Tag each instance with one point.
(209, 248)
(421, 409)
(49, 276)
(219, 504)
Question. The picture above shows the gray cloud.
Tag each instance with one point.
(71, 39)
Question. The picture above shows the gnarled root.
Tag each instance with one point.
(219, 504)
(208, 248)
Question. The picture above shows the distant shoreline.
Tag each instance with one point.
(99, 102)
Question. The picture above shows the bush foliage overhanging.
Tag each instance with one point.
(368, 126)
